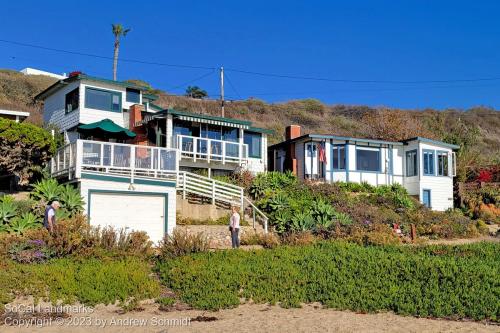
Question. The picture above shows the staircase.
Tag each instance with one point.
(220, 193)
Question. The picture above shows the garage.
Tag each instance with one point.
(132, 211)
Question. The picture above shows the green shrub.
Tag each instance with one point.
(46, 190)
(76, 236)
(89, 281)
(271, 181)
(165, 302)
(71, 200)
(181, 243)
(462, 282)
(7, 210)
(21, 224)
(24, 149)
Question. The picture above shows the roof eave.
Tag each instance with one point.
(435, 142)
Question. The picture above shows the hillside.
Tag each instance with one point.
(478, 129)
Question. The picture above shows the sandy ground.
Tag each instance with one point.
(245, 318)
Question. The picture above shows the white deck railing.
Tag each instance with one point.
(189, 182)
(116, 158)
(211, 150)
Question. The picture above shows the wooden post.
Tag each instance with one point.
(209, 150)
(223, 152)
(195, 148)
(213, 192)
(184, 185)
(79, 158)
(413, 232)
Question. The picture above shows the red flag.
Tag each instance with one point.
(322, 154)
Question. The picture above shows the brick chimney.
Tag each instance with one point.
(135, 116)
(292, 132)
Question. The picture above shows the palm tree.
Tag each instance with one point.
(118, 31)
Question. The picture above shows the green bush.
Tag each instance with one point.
(454, 282)
(89, 281)
(24, 149)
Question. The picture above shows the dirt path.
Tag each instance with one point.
(247, 318)
(461, 241)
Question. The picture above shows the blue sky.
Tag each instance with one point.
(347, 40)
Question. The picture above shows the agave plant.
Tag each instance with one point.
(280, 220)
(343, 219)
(71, 200)
(20, 224)
(302, 221)
(62, 214)
(7, 209)
(46, 190)
(278, 202)
(258, 187)
(323, 212)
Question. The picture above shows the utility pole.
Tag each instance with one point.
(222, 90)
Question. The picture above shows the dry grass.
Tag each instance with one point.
(17, 92)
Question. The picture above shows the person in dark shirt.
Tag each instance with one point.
(49, 220)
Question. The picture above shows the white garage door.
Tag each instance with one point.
(131, 212)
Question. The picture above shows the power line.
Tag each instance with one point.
(275, 75)
(103, 57)
(233, 87)
(370, 90)
(311, 78)
(193, 80)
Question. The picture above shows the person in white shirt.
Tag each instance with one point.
(234, 227)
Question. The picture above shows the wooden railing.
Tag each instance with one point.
(211, 150)
(189, 182)
(115, 158)
(256, 214)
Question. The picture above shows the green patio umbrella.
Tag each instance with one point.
(106, 128)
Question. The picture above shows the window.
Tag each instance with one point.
(230, 134)
(411, 163)
(442, 163)
(367, 159)
(133, 96)
(253, 140)
(72, 100)
(338, 157)
(103, 100)
(429, 163)
(426, 198)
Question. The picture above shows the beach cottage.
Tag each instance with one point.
(129, 157)
(424, 167)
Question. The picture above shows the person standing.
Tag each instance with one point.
(49, 219)
(234, 227)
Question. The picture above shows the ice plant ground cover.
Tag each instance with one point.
(431, 281)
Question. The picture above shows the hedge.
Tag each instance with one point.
(435, 281)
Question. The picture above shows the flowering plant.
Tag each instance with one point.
(31, 251)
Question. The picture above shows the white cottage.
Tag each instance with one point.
(129, 157)
(424, 167)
